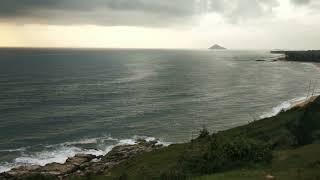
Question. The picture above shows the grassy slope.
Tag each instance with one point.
(291, 159)
(300, 163)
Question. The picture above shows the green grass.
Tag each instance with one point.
(152, 164)
(287, 134)
(294, 164)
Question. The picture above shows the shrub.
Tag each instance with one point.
(304, 129)
(223, 154)
(204, 133)
(173, 175)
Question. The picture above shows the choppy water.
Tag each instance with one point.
(56, 103)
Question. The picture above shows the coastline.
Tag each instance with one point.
(311, 56)
(285, 106)
(305, 102)
(59, 153)
(82, 165)
(29, 155)
(290, 134)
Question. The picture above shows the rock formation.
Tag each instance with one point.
(83, 164)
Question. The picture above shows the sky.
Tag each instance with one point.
(185, 24)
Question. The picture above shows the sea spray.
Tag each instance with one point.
(59, 153)
(284, 106)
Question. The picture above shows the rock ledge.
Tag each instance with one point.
(83, 164)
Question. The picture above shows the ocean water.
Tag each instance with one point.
(55, 103)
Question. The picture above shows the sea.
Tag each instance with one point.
(55, 103)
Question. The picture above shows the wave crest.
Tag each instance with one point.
(59, 153)
(284, 106)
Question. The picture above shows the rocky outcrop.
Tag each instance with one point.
(303, 56)
(83, 164)
(310, 56)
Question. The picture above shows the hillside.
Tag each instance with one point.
(282, 147)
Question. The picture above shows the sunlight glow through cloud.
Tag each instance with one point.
(185, 24)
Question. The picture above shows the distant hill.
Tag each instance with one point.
(217, 47)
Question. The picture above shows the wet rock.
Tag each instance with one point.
(19, 171)
(72, 165)
(79, 159)
(84, 164)
(125, 152)
(58, 169)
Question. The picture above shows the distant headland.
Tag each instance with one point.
(217, 47)
(307, 56)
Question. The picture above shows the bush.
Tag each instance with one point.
(305, 128)
(204, 133)
(173, 175)
(224, 154)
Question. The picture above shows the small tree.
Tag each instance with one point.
(203, 133)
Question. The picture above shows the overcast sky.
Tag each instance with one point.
(238, 24)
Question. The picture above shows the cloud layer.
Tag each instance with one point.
(133, 12)
(101, 12)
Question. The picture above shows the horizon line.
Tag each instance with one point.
(124, 48)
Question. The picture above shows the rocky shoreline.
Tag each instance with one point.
(82, 165)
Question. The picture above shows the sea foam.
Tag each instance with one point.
(59, 153)
(284, 106)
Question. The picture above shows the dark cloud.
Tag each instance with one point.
(312, 5)
(237, 10)
(105, 12)
(300, 2)
(128, 12)
(12, 7)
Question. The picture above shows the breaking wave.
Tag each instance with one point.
(59, 153)
(284, 106)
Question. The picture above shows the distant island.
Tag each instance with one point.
(217, 47)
